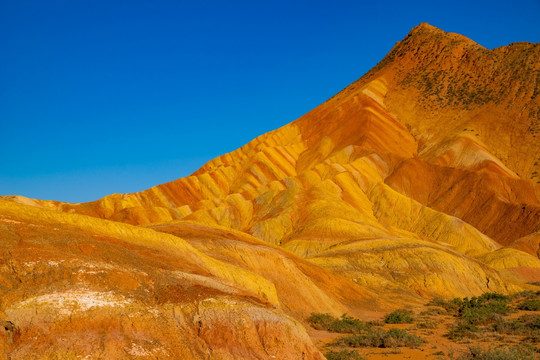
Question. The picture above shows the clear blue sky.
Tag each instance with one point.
(98, 97)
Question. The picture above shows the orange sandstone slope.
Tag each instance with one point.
(464, 117)
(441, 126)
(418, 180)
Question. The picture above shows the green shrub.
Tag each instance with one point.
(348, 324)
(531, 339)
(433, 311)
(486, 309)
(427, 325)
(481, 310)
(530, 321)
(494, 296)
(526, 325)
(462, 330)
(398, 337)
(345, 324)
(524, 294)
(481, 315)
(320, 321)
(519, 352)
(377, 337)
(343, 355)
(451, 307)
(477, 309)
(509, 327)
(437, 301)
(399, 317)
(530, 305)
(371, 338)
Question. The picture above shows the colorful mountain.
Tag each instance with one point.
(419, 180)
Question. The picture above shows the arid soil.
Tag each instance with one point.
(433, 325)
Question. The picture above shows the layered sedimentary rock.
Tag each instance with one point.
(418, 180)
(79, 287)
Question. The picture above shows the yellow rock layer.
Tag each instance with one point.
(139, 236)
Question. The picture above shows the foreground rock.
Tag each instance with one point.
(79, 287)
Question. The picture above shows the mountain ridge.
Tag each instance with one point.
(283, 153)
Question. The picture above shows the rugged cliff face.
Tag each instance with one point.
(418, 180)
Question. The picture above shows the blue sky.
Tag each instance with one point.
(98, 97)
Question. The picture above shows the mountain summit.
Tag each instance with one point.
(419, 180)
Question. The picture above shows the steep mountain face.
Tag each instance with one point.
(476, 116)
(418, 180)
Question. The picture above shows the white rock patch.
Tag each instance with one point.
(149, 350)
(3, 219)
(73, 300)
(137, 350)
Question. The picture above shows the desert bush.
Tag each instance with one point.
(348, 324)
(343, 355)
(524, 294)
(527, 326)
(450, 307)
(477, 309)
(485, 309)
(320, 321)
(534, 339)
(530, 321)
(427, 325)
(482, 310)
(398, 338)
(345, 324)
(481, 315)
(400, 316)
(462, 330)
(433, 311)
(377, 337)
(494, 296)
(520, 352)
(530, 305)
(509, 327)
(372, 338)
(437, 302)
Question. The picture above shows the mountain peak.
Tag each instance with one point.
(428, 33)
(424, 28)
(427, 45)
